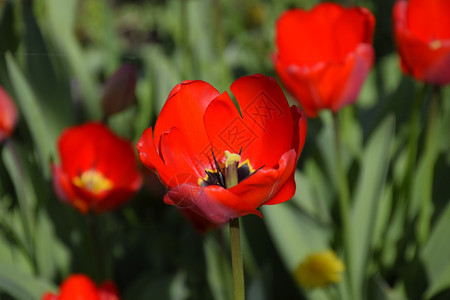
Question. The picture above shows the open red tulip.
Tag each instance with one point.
(324, 55)
(98, 169)
(81, 287)
(200, 136)
(422, 33)
(8, 115)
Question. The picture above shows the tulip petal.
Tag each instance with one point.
(267, 115)
(286, 192)
(419, 57)
(299, 131)
(216, 204)
(225, 127)
(266, 183)
(184, 109)
(429, 20)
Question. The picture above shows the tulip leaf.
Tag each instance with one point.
(51, 89)
(165, 75)
(20, 285)
(311, 196)
(368, 195)
(435, 255)
(219, 275)
(60, 19)
(52, 259)
(295, 235)
(32, 113)
(25, 192)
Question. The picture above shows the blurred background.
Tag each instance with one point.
(55, 58)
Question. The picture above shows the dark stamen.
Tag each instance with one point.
(219, 170)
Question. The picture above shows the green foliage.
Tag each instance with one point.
(54, 59)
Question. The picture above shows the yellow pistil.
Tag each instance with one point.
(93, 181)
(231, 158)
(231, 176)
(434, 45)
(319, 270)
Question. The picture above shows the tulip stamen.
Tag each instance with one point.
(93, 181)
(231, 165)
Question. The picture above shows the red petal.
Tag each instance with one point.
(225, 127)
(429, 20)
(328, 86)
(354, 26)
(108, 291)
(219, 205)
(417, 56)
(214, 203)
(306, 38)
(265, 184)
(267, 117)
(148, 153)
(78, 287)
(178, 157)
(49, 296)
(300, 132)
(286, 192)
(93, 145)
(8, 115)
(184, 109)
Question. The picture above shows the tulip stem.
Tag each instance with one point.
(236, 260)
(94, 237)
(430, 156)
(344, 208)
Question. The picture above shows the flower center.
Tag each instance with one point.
(93, 181)
(229, 173)
(436, 44)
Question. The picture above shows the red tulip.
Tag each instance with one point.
(80, 287)
(422, 32)
(8, 115)
(98, 170)
(198, 124)
(324, 55)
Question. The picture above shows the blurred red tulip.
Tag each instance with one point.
(198, 124)
(119, 90)
(324, 55)
(98, 169)
(80, 287)
(8, 115)
(422, 33)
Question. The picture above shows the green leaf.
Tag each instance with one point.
(60, 20)
(218, 270)
(22, 286)
(295, 236)
(26, 196)
(435, 255)
(40, 130)
(369, 192)
(294, 233)
(50, 260)
(312, 195)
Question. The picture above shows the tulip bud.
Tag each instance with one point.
(119, 90)
(8, 115)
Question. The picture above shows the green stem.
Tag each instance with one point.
(94, 237)
(344, 208)
(236, 260)
(430, 155)
(414, 129)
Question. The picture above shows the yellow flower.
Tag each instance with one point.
(319, 269)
